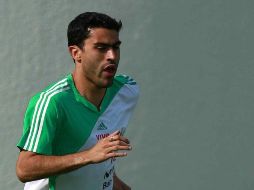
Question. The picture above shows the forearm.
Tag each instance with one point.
(31, 166)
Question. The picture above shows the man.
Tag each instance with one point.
(73, 130)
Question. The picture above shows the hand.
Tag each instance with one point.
(107, 148)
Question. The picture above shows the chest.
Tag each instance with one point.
(81, 127)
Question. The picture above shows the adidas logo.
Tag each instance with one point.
(102, 126)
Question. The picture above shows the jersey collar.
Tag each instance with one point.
(105, 102)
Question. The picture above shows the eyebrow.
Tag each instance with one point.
(106, 44)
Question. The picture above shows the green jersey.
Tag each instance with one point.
(60, 121)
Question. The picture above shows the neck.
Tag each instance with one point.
(87, 89)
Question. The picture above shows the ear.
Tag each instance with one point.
(75, 52)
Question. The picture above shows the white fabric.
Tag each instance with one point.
(41, 184)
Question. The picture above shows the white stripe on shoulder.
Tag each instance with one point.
(36, 113)
(44, 113)
(38, 117)
(59, 82)
(35, 110)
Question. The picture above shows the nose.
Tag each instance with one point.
(112, 55)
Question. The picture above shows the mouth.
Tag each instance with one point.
(110, 70)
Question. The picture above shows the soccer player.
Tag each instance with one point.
(73, 129)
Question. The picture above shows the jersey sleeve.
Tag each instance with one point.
(40, 122)
(129, 91)
(128, 97)
(131, 86)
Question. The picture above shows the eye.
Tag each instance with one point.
(116, 47)
(105, 47)
(102, 48)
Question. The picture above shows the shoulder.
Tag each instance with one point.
(50, 95)
(128, 85)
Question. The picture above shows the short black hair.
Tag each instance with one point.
(78, 29)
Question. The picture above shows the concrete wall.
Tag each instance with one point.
(193, 127)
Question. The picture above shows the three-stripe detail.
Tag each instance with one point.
(130, 80)
(40, 112)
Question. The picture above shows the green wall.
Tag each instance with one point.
(193, 59)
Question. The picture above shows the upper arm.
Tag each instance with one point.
(25, 155)
(25, 160)
(40, 124)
